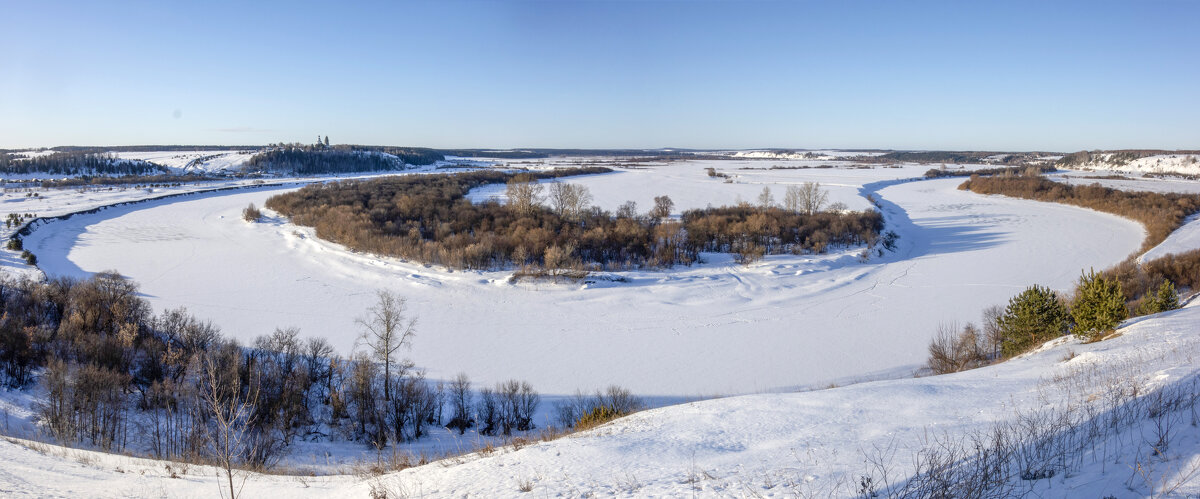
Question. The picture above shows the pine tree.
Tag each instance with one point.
(1031, 318)
(1099, 306)
(326, 141)
(1163, 299)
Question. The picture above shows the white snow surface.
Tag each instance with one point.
(716, 328)
(1184, 239)
(1186, 164)
(181, 162)
(784, 445)
(1132, 182)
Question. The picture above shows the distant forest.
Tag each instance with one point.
(77, 163)
(308, 160)
(962, 157)
(429, 219)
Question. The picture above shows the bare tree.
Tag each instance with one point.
(228, 432)
(791, 198)
(523, 193)
(569, 200)
(662, 207)
(386, 330)
(627, 210)
(460, 401)
(765, 199)
(806, 198)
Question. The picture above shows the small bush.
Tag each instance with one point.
(953, 351)
(251, 213)
(29, 258)
(1163, 299)
(598, 416)
(15, 245)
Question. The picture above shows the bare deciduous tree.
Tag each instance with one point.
(523, 193)
(228, 431)
(662, 207)
(387, 328)
(570, 200)
(807, 198)
(765, 199)
(627, 209)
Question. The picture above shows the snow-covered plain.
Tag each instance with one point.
(811, 444)
(716, 328)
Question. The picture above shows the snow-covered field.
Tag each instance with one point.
(811, 444)
(716, 328)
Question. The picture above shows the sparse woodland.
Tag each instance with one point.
(430, 220)
(119, 378)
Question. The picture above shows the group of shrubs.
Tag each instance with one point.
(429, 219)
(1038, 314)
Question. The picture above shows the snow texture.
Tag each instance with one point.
(716, 328)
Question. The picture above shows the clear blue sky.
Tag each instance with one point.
(897, 74)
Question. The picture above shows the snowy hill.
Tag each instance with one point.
(183, 162)
(1117, 417)
(1181, 164)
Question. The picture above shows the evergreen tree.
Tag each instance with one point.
(1163, 299)
(1099, 306)
(327, 141)
(1031, 318)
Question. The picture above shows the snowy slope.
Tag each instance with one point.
(1187, 164)
(182, 162)
(1184, 239)
(812, 444)
(716, 328)
(1130, 183)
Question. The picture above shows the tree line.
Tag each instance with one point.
(77, 163)
(429, 219)
(321, 158)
